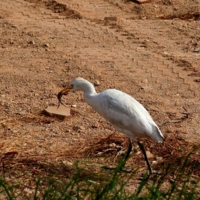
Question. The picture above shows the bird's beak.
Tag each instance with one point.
(65, 91)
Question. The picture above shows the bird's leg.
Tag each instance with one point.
(126, 157)
(130, 147)
(145, 157)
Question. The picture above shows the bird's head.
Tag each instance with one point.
(75, 85)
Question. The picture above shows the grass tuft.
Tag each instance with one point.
(87, 184)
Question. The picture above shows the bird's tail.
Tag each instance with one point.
(157, 134)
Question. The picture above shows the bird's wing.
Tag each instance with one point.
(127, 114)
(123, 111)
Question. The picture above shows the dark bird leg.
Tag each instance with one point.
(125, 158)
(145, 157)
(130, 147)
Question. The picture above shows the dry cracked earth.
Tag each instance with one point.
(151, 51)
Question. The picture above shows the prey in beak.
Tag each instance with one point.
(65, 91)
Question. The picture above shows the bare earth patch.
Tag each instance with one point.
(151, 51)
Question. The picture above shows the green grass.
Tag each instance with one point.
(83, 183)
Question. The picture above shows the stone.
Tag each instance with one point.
(96, 83)
(149, 154)
(110, 18)
(197, 50)
(61, 112)
(31, 42)
(142, 1)
(46, 45)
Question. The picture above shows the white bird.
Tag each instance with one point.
(125, 113)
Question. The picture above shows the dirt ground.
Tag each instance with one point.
(151, 51)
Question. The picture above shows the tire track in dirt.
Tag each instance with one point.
(165, 81)
(47, 48)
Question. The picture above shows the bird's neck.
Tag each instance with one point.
(89, 90)
(90, 95)
(92, 99)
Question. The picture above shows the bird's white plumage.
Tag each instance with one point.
(123, 111)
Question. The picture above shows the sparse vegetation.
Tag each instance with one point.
(84, 183)
(150, 51)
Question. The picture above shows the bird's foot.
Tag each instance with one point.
(150, 175)
(123, 169)
(155, 172)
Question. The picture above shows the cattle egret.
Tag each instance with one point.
(125, 113)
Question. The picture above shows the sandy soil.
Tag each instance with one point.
(151, 51)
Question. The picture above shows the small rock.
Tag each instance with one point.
(75, 128)
(14, 26)
(165, 53)
(65, 162)
(96, 83)
(145, 81)
(46, 45)
(15, 131)
(22, 112)
(36, 94)
(142, 1)
(78, 128)
(96, 125)
(112, 145)
(60, 111)
(74, 106)
(196, 49)
(32, 42)
(127, 169)
(154, 162)
(110, 18)
(82, 128)
(149, 154)
(159, 158)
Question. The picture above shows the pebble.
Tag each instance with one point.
(112, 145)
(96, 125)
(65, 162)
(61, 111)
(197, 50)
(96, 83)
(82, 128)
(74, 106)
(145, 81)
(77, 128)
(165, 53)
(143, 1)
(110, 18)
(32, 42)
(46, 45)
(154, 162)
(159, 158)
(149, 154)
(22, 112)
(14, 26)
